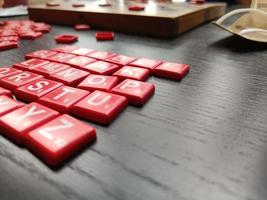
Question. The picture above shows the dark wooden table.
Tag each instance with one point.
(204, 138)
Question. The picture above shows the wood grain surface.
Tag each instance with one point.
(204, 138)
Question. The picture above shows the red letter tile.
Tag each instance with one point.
(8, 104)
(7, 71)
(36, 89)
(62, 99)
(17, 80)
(26, 119)
(120, 60)
(50, 68)
(60, 138)
(43, 54)
(101, 55)
(99, 82)
(101, 67)
(5, 92)
(65, 48)
(29, 64)
(100, 107)
(136, 73)
(80, 61)
(136, 92)
(82, 51)
(146, 63)
(171, 70)
(69, 76)
(60, 57)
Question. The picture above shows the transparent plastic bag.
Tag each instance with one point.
(249, 23)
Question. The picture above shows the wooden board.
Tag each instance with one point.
(162, 19)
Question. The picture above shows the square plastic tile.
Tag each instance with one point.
(70, 76)
(136, 92)
(62, 99)
(80, 61)
(17, 80)
(146, 63)
(42, 54)
(129, 72)
(6, 92)
(100, 107)
(7, 71)
(29, 64)
(172, 70)
(59, 139)
(36, 89)
(8, 104)
(98, 82)
(101, 68)
(120, 60)
(50, 68)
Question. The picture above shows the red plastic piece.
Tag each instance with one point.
(136, 73)
(70, 76)
(101, 67)
(8, 104)
(77, 4)
(136, 92)
(80, 61)
(120, 60)
(197, 1)
(146, 63)
(36, 89)
(17, 80)
(26, 119)
(136, 8)
(66, 38)
(104, 36)
(41, 27)
(50, 68)
(82, 27)
(98, 82)
(9, 38)
(62, 99)
(60, 57)
(8, 33)
(43, 54)
(100, 107)
(8, 45)
(5, 92)
(172, 70)
(81, 51)
(30, 64)
(30, 35)
(7, 71)
(65, 48)
(101, 55)
(59, 139)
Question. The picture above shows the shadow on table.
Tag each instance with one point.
(240, 45)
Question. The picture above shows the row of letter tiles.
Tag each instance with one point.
(106, 97)
(137, 92)
(47, 134)
(107, 63)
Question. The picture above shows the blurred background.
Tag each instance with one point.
(10, 3)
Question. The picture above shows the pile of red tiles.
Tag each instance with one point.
(12, 31)
(68, 80)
